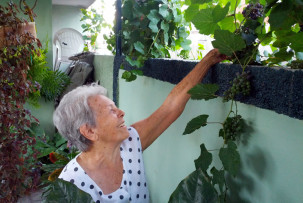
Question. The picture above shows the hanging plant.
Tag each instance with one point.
(151, 29)
(17, 172)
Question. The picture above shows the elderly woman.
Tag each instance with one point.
(110, 166)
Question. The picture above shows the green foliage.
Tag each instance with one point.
(239, 35)
(195, 124)
(62, 191)
(230, 158)
(151, 29)
(93, 22)
(204, 160)
(203, 91)
(228, 42)
(54, 84)
(194, 188)
(50, 83)
(54, 154)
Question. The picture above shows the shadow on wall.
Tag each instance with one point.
(255, 167)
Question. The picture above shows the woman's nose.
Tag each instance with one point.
(121, 113)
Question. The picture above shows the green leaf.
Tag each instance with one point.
(297, 42)
(154, 27)
(230, 158)
(153, 16)
(185, 44)
(281, 16)
(219, 13)
(203, 91)
(204, 160)
(228, 42)
(191, 11)
(228, 23)
(126, 74)
(200, 1)
(218, 178)
(204, 22)
(44, 148)
(163, 10)
(182, 32)
(137, 72)
(284, 55)
(164, 26)
(194, 188)
(195, 124)
(139, 47)
(62, 191)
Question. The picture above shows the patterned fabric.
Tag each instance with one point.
(133, 187)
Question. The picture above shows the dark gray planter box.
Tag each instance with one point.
(276, 89)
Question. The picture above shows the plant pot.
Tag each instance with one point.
(21, 30)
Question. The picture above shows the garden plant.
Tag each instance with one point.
(24, 77)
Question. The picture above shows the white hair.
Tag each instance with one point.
(74, 111)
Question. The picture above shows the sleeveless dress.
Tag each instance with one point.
(133, 187)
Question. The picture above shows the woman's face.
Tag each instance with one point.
(109, 119)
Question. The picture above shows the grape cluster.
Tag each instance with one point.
(240, 84)
(253, 11)
(232, 128)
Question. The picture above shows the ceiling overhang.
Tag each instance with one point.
(76, 3)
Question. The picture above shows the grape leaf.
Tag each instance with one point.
(281, 16)
(153, 26)
(191, 11)
(230, 158)
(194, 188)
(203, 91)
(228, 23)
(218, 177)
(195, 124)
(200, 1)
(219, 13)
(228, 42)
(204, 160)
(205, 22)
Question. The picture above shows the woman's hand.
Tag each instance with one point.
(214, 56)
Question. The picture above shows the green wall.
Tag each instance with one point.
(104, 72)
(272, 161)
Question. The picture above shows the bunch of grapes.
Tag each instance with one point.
(240, 84)
(232, 128)
(253, 11)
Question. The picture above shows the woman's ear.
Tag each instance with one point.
(88, 132)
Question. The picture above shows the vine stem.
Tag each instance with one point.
(214, 123)
(153, 42)
(213, 150)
